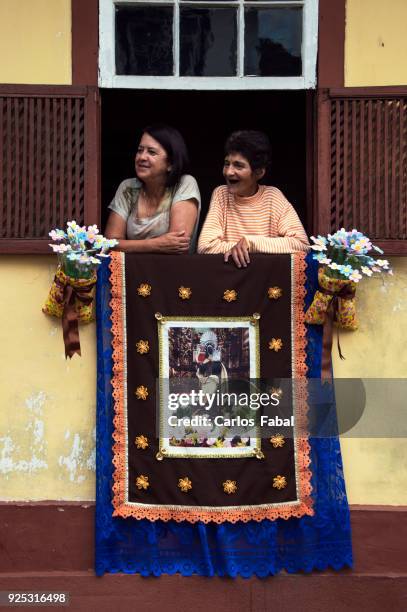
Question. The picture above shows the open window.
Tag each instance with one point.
(206, 119)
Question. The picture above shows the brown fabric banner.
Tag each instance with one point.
(188, 332)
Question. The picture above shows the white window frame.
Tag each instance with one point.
(108, 77)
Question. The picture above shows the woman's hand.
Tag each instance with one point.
(239, 253)
(173, 242)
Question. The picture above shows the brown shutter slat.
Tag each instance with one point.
(43, 149)
(78, 162)
(355, 205)
(370, 164)
(31, 153)
(2, 164)
(70, 186)
(25, 219)
(55, 157)
(346, 153)
(402, 216)
(362, 166)
(338, 166)
(9, 168)
(364, 154)
(386, 146)
(17, 171)
(49, 213)
(62, 153)
(395, 152)
(377, 173)
(38, 169)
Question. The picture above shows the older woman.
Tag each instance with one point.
(245, 217)
(158, 211)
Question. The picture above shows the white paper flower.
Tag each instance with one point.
(355, 276)
(366, 270)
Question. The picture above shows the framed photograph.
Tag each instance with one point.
(208, 371)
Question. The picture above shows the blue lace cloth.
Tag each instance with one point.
(241, 549)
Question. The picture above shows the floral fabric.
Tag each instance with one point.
(346, 310)
(54, 304)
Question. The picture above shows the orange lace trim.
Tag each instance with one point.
(299, 344)
(193, 514)
(118, 378)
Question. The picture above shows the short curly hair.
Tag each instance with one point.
(254, 146)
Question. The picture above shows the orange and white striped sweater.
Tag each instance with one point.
(267, 220)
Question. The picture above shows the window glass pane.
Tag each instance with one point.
(144, 40)
(273, 39)
(208, 41)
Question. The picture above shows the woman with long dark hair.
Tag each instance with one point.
(158, 211)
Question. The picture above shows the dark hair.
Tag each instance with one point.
(173, 143)
(254, 146)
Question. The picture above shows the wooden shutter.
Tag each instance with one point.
(49, 163)
(362, 164)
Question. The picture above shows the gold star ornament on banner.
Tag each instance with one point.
(184, 292)
(185, 484)
(277, 441)
(274, 293)
(230, 295)
(279, 482)
(142, 347)
(142, 482)
(141, 392)
(144, 290)
(230, 487)
(275, 344)
(141, 442)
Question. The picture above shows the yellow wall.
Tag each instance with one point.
(48, 404)
(376, 468)
(35, 41)
(47, 420)
(47, 417)
(375, 43)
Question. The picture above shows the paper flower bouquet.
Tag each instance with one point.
(79, 251)
(345, 257)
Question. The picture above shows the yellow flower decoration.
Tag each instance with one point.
(279, 482)
(142, 347)
(277, 440)
(230, 295)
(275, 344)
(277, 391)
(185, 484)
(274, 293)
(142, 482)
(141, 392)
(184, 293)
(230, 486)
(144, 290)
(141, 442)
